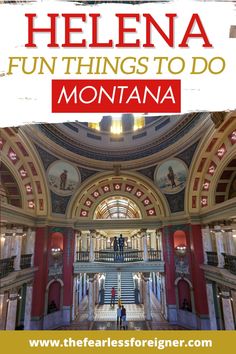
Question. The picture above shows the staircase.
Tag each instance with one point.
(110, 281)
(126, 284)
(127, 288)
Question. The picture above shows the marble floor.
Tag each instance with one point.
(107, 313)
(105, 318)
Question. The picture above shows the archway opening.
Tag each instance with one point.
(117, 207)
(9, 189)
(184, 295)
(54, 297)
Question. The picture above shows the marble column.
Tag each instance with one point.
(101, 243)
(145, 248)
(233, 294)
(153, 241)
(211, 306)
(7, 245)
(75, 298)
(30, 243)
(91, 307)
(147, 297)
(158, 238)
(85, 284)
(141, 282)
(206, 240)
(132, 242)
(2, 240)
(80, 287)
(230, 243)
(28, 306)
(154, 285)
(11, 311)
(17, 246)
(135, 242)
(91, 251)
(228, 311)
(219, 246)
(163, 297)
(96, 290)
(3, 310)
(139, 242)
(98, 243)
(84, 242)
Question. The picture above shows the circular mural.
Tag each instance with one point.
(63, 178)
(171, 176)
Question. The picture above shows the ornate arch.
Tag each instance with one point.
(19, 156)
(131, 185)
(214, 153)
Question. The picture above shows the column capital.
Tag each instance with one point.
(92, 232)
(143, 232)
(19, 231)
(217, 228)
(91, 276)
(9, 232)
(146, 276)
(13, 294)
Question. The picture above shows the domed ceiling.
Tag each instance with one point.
(129, 143)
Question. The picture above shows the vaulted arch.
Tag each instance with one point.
(20, 159)
(131, 186)
(215, 153)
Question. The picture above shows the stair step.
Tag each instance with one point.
(126, 284)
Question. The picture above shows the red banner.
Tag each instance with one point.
(124, 96)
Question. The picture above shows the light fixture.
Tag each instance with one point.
(56, 252)
(181, 250)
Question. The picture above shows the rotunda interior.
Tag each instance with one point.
(142, 204)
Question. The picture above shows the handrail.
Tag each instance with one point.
(82, 256)
(118, 257)
(212, 258)
(125, 256)
(230, 263)
(154, 255)
(25, 261)
(6, 266)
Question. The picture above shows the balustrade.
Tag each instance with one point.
(154, 255)
(25, 261)
(82, 256)
(126, 256)
(230, 263)
(212, 258)
(6, 266)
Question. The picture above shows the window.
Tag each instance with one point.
(117, 208)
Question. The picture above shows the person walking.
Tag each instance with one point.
(123, 316)
(121, 242)
(118, 315)
(115, 248)
(113, 296)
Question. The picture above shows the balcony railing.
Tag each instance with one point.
(25, 261)
(118, 257)
(230, 263)
(212, 258)
(226, 260)
(82, 256)
(126, 256)
(154, 255)
(6, 266)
